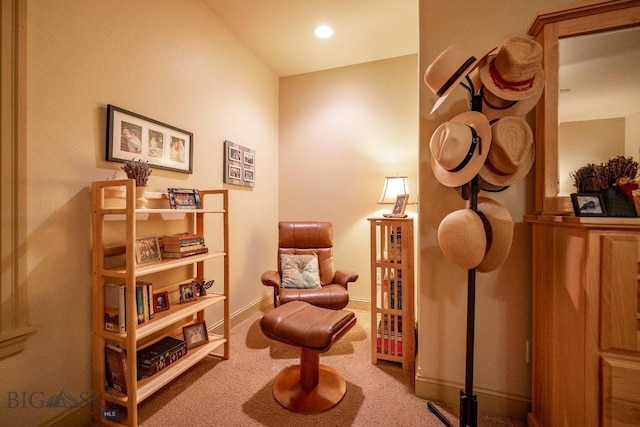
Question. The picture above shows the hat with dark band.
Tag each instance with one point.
(459, 148)
(447, 71)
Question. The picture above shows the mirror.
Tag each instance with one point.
(572, 37)
(598, 100)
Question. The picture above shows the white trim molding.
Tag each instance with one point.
(14, 327)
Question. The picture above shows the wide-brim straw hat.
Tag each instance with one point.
(459, 148)
(446, 72)
(462, 238)
(515, 71)
(511, 154)
(498, 225)
(495, 107)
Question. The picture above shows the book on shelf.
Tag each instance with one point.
(395, 244)
(160, 354)
(393, 294)
(196, 251)
(116, 361)
(387, 341)
(182, 240)
(182, 248)
(115, 305)
(147, 303)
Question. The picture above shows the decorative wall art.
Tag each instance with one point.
(239, 165)
(132, 136)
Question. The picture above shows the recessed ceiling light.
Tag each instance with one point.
(323, 31)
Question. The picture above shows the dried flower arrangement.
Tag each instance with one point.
(585, 179)
(619, 172)
(138, 170)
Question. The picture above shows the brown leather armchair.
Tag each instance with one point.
(310, 238)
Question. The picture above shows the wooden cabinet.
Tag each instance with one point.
(392, 293)
(116, 224)
(586, 344)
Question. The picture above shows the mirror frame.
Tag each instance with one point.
(548, 27)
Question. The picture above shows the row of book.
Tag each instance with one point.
(387, 341)
(150, 360)
(395, 245)
(115, 303)
(183, 245)
(393, 293)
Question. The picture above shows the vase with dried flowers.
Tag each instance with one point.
(139, 171)
(616, 180)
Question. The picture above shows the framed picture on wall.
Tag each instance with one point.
(132, 136)
(239, 164)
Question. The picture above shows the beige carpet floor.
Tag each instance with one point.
(237, 392)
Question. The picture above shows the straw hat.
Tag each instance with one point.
(498, 225)
(459, 148)
(447, 71)
(495, 107)
(462, 238)
(512, 152)
(515, 72)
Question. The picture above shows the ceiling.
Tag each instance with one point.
(280, 32)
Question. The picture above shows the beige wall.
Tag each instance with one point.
(591, 141)
(341, 132)
(171, 61)
(503, 301)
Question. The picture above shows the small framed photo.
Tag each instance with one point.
(588, 204)
(188, 293)
(184, 198)
(147, 250)
(160, 301)
(195, 335)
(399, 206)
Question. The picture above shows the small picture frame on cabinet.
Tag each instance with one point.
(147, 250)
(184, 198)
(399, 207)
(195, 335)
(161, 301)
(188, 293)
(588, 204)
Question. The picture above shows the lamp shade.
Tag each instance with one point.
(393, 185)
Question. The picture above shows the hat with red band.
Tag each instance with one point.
(515, 72)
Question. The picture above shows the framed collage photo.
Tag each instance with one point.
(239, 165)
(132, 136)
